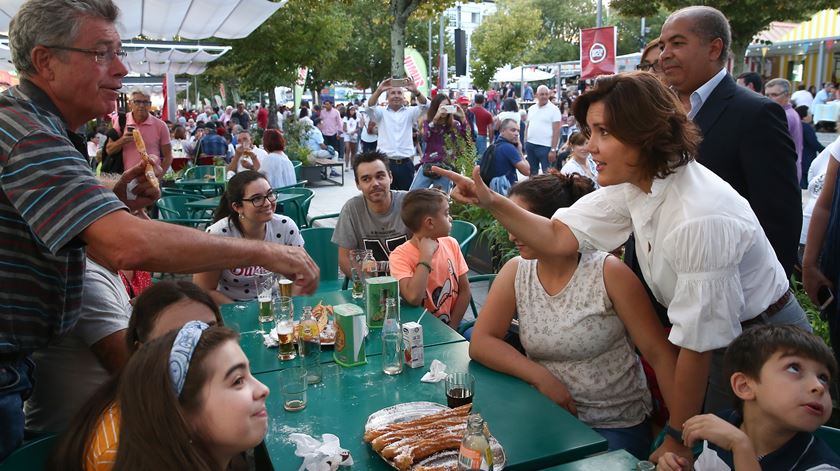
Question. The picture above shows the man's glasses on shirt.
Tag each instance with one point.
(259, 200)
(105, 57)
(648, 67)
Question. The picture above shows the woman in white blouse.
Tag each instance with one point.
(700, 247)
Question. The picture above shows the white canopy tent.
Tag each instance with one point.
(517, 74)
(170, 19)
(169, 22)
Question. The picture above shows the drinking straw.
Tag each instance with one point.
(421, 315)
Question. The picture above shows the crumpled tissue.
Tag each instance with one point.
(318, 455)
(270, 339)
(436, 373)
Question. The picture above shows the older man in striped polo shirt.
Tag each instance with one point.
(68, 55)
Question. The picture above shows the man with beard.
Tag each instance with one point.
(371, 220)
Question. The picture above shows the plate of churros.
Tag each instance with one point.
(422, 436)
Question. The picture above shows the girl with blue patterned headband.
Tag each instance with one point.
(189, 402)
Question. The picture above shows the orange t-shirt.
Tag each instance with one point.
(447, 265)
(102, 452)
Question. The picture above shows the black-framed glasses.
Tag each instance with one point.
(141, 102)
(648, 67)
(101, 57)
(259, 200)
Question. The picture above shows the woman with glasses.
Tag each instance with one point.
(246, 211)
(650, 59)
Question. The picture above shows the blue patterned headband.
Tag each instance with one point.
(182, 351)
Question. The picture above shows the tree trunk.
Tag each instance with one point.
(272, 110)
(739, 50)
(398, 47)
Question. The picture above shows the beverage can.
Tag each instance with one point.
(349, 347)
(412, 333)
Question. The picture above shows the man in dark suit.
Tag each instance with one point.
(745, 136)
(745, 142)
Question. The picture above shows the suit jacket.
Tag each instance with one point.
(747, 143)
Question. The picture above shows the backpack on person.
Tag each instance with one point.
(487, 164)
(113, 163)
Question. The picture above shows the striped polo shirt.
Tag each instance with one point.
(48, 196)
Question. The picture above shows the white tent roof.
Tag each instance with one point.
(188, 19)
(165, 20)
(531, 74)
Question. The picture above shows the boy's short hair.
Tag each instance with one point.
(749, 352)
(418, 204)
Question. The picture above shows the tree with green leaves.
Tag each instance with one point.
(746, 18)
(401, 11)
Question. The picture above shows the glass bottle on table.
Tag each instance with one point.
(475, 452)
(309, 345)
(392, 341)
(284, 325)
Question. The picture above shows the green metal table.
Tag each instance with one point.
(213, 203)
(243, 318)
(534, 431)
(618, 460)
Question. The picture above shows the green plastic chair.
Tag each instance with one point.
(174, 191)
(464, 232)
(32, 455)
(297, 164)
(318, 244)
(173, 209)
(200, 171)
(831, 437)
(296, 185)
(489, 278)
(298, 209)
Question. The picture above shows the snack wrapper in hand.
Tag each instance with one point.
(320, 456)
(436, 373)
(141, 148)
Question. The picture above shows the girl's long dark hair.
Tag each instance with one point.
(154, 430)
(69, 453)
(433, 109)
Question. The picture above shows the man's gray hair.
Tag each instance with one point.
(710, 24)
(509, 123)
(139, 91)
(780, 82)
(52, 23)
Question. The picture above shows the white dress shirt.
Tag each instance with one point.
(395, 129)
(699, 96)
(700, 248)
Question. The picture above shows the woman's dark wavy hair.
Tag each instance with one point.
(547, 193)
(640, 111)
(234, 193)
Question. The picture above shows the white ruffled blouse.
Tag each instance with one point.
(700, 247)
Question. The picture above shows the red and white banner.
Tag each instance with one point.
(597, 52)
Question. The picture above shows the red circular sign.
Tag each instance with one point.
(597, 53)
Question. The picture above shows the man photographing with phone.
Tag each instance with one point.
(395, 123)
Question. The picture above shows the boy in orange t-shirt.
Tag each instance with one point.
(430, 267)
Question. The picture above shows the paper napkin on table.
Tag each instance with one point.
(320, 455)
(436, 373)
(270, 339)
